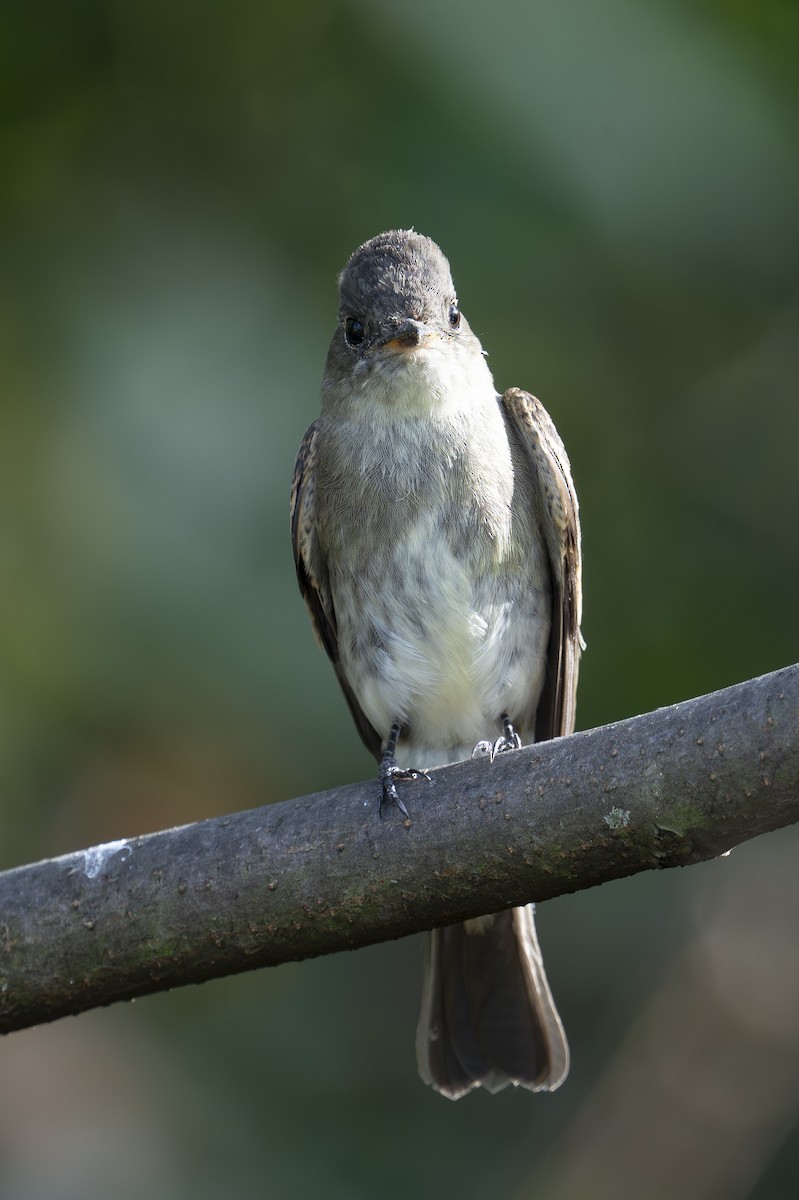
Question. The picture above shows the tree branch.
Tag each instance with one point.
(324, 872)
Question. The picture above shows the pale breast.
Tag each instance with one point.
(438, 576)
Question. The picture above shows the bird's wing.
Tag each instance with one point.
(560, 524)
(313, 579)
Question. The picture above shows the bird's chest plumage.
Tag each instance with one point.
(442, 599)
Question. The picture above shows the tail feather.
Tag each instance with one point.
(488, 1018)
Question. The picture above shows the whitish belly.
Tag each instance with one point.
(444, 646)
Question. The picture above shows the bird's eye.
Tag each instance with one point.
(454, 316)
(354, 331)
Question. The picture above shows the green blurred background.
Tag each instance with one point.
(616, 185)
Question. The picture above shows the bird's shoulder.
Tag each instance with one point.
(547, 454)
(311, 574)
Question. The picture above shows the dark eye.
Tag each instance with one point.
(354, 331)
(454, 316)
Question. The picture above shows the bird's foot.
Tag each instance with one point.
(389, 774)
(509, 740)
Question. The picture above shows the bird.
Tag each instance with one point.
(436, 538)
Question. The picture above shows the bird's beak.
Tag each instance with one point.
(409, 335)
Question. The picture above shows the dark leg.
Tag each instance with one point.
(510, 739)
(389, 772)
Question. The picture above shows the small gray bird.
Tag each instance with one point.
(437, 545)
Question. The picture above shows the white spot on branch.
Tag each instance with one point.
(96, 857)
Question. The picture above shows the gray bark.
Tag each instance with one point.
(323, 873)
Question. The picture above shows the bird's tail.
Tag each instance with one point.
(488, 1018)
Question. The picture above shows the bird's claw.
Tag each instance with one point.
(389, 773)
(509, 740)
(514, 742)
